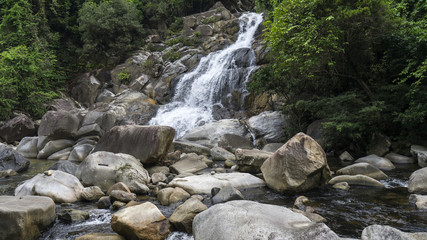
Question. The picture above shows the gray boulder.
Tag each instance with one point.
(59, 125)
(360, 180)
(420, 153)
(190, 147)
(246, 219)
(144, 221)
(61, 154)
(251, 160)
(93, 193)
(65, 166)
(122, 196)
(80, 152)
(226, 194)
(231, 142)
(272, 147)
(28, 147)
(189, 163)
(73, 215)
(60, 186)
(399, 159)
(364, 169)
(104, 169)
(297, 166)
(379, 145)
(379, 162)
(380, 232)
(420, 201)
(11, 159)
(220, 154)
(86, 89)
(418, 181)
(53, 147)
(269, 126)
(182, 217)
(210, 133)
(132, 139)
(17, 128)
(25, 217)
(202, 184)
(104, 120)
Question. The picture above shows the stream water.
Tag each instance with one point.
(215, 77)
(347, 212)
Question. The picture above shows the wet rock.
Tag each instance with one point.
(420, 201)
(86, 89)
(182, 217)
(11, 159)
(118, 186)
(251, 160)
(53, 147)
(60, 186)
(17, 128)
(379, 162)
(418, 181)
(104, 120)
(300, 202)
(226, 194)
(220, 154)
(104, 202)
(342, 186)
(100, 236)
(360, 180)
(117, 205)
(379, 145)
(93, 193)
(65, 166)
(122, 196)
(379, 232)
(297, 166)
(420, 153)
(249, 219)
(169, 195)
(25, 217)
(28, 147)
(59, 125)
(7, 173)
(210, 133)
(399, 159)
(364, 169)
(158, 177)
(163, 196)
(272, 147)
(73, 215)
(80, 152)
(190, 147)
(133, 140)
(104, 169)
(105, 96)
(189, 163)
(268, 125)
(143, 221)
(232, 142)
(202, 184)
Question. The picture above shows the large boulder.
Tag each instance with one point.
(420, 153)
(80, 152)
(364, 169)
(297, 166)
(104, 169)
(380, 232)
(246, 220)
(11, 159)
(59, 125)
(418, 181)
(360, 180)
(17, 128)
(85, 89)
(379, 162)
(105, 120)
(182, 217)
(189, 163)
(379, 145)
(54, 146)
(60, 186)
(268, 125)
(190, 147)
(220, 154)
(231, 142)
(251, 160)
(28, 147)
(65, 166)
(399, 159)
(202, 184)
(144, 221)
(210, 133)
(25, 217)
(147, 143)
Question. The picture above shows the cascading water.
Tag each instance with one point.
(216, 76)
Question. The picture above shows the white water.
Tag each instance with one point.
(215, 77)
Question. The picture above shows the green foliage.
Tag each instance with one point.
(171, 55)
(211, 19)
(110, 30)
(124, 77)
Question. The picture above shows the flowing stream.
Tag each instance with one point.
(216, 76)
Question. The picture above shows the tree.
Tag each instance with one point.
(109, 30)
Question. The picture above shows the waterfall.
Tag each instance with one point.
(215, 77)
